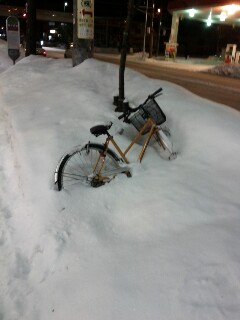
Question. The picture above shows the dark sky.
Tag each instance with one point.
(102, 7)
(58, 5)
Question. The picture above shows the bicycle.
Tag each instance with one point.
(95, 164)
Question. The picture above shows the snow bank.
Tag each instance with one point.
(163, 244)
(227, 70)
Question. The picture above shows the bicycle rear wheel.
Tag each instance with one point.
(77, 166)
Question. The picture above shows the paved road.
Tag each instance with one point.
(213, 87)
(54, 53)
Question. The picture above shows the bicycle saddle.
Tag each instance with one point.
(100, 129)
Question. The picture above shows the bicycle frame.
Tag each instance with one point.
(96, 163)
(152, 132)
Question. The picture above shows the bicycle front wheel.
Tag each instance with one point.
(77, 166)
(166, 146)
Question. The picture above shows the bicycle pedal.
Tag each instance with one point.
(173, 156)
(128, 174)
(97, 183)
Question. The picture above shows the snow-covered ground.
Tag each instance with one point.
(192, 64)
(163, 244)
(228, 70)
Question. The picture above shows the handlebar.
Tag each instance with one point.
(130, 110)
(121, 116)
(127, 113)
(154, 94)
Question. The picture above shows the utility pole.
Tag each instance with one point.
(145, 29)
(31, 27)
(159, 30)
(119, 100)
(83, 30)
(151, 32)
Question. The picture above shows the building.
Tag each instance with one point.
(219, 21)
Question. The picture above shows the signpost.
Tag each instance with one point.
(83, 30)
(85, 19)
(13, 38)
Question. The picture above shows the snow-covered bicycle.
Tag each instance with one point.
(95, 164)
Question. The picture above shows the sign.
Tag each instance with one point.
(85, 19)
(13, 38)
(171, 50)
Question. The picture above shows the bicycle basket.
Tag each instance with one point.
(150, 109)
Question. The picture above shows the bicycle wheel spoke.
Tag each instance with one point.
(82, 166)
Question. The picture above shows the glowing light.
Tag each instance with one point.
(232, 9)
(192, 12)
(209, 20)
(223, 16)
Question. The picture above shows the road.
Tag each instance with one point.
(212, 87)
(54, 53)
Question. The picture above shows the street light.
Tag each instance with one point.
(151, 31)
(65, 5)
(159, 29)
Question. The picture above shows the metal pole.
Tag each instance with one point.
(31, 28)
(151, 32)
(158, 36)
(145, 28)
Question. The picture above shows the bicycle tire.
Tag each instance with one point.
(77, 165)
(166, 146)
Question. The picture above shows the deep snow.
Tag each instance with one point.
(163, 244)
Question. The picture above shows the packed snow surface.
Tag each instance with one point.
(163, 244)
(228, 70)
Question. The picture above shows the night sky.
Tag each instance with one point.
(102, 7)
